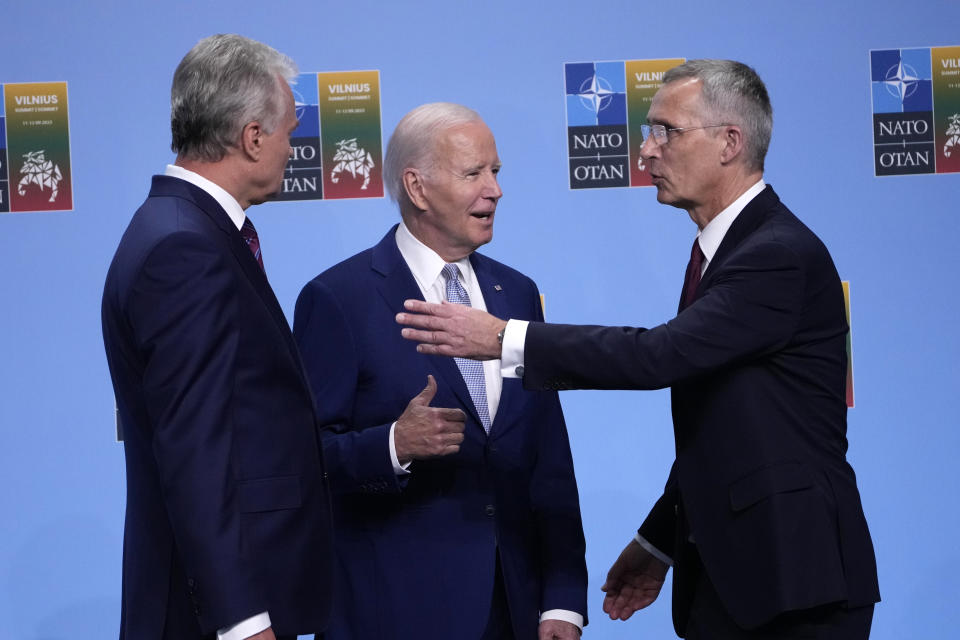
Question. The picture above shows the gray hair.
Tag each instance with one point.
(414, 141)
(221, 85)
(733, 93)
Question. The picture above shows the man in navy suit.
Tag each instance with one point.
(761, 516)
(227, 528)
(455, 500)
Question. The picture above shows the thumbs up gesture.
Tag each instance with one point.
(427, 432)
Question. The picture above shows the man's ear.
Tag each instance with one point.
(414, 186)
(732, 143)
(251, 140)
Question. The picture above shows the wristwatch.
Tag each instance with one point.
(500, 335)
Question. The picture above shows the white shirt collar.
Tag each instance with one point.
(425, 263)
(712, 235)
(218, 193)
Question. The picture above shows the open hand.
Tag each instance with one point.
(449, 329)
(633, 582)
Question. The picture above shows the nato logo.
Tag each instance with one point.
(902, 80)
(303, 178)
(596, 93)
(902, 91)
(596, 96)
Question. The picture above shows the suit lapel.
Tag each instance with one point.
(397, 284)
(241, 252)
(746, 223)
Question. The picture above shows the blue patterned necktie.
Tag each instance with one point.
(249, 234)
(471, 370)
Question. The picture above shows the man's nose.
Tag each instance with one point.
(493, 190)
(649, 148)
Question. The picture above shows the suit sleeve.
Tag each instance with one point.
(556, 505)
(660, 526)
(751, 308)
(358, 460)
(184, 309)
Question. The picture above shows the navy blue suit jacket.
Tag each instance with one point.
(228, 511)
(757, 365)
(416, 555)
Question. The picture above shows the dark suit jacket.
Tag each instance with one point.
(757, 365)
(416, 555)
(227, 508)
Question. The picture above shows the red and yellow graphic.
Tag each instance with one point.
(644, 79)
(946, 107)
(350, 134)
(38, 146)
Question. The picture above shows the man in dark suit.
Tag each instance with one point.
(227, 528)
(761, 516)
(460, 519)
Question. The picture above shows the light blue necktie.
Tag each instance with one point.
(471, 370)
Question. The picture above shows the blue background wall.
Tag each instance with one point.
(607, 256)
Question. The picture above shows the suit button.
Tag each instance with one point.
(519, 370)
(196, 611)
(490, 510)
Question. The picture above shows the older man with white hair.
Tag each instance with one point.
(455, 500)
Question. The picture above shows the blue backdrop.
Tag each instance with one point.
(609, 256)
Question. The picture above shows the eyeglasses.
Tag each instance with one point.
(661, 133)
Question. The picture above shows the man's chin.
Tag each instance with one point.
(273, 195)
(483, 238)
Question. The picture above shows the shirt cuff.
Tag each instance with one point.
(245, 628)
(562, 614)
(652, 550)
(399, 469)
(511, 355)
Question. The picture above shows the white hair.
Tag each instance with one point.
(733, 93)
(221, 85)
(414, 141)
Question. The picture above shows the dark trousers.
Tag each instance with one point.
(710, 621)
(498, 624)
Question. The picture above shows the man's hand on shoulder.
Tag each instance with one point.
(428, 432)
(449, 329)
(557, 630)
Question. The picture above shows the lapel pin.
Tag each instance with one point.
(498, 287)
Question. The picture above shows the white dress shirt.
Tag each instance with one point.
(427, 268)
(710, 237)
(255, 624)
(218, 193)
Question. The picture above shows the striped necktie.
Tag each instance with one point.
(471, 370)
(249, 233)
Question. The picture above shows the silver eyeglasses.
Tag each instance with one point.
(661, 133)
